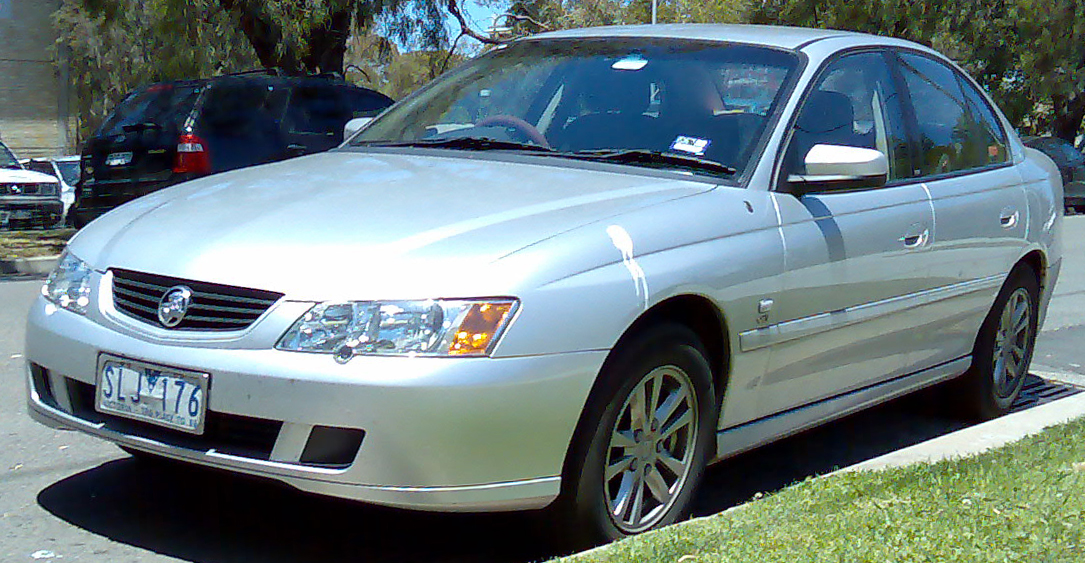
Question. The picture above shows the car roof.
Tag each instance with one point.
(774, 36)
(263, 77)
(781, 37)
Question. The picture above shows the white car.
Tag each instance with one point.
(569, 274)
(65, 169)
(27, 198)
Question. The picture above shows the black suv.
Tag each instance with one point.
(175, 131)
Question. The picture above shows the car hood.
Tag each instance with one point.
(12, 176)
(364, 225)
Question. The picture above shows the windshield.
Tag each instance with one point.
(7, 160)
(707, 100)
(163, 105)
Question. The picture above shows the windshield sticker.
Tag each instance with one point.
(691, 145)
(632, 62)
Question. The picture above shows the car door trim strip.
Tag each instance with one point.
(822, 322)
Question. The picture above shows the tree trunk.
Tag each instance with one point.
(328, 44)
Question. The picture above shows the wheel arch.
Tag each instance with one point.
(696, 312)
(704, 318)
(1037, 262)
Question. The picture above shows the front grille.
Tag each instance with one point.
(36, 189)
(213, 307)
(231, 434)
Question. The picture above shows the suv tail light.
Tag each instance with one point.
(192, 156)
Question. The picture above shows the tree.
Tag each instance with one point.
(1029, 54)
(119, 45)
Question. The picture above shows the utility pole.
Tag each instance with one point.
(654, 12)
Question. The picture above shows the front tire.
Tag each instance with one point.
(643, 442)
(1004, 346)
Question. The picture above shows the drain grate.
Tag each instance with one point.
(1038, 391)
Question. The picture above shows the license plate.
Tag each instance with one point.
(118, 159)
(22, 214)
(166, 396)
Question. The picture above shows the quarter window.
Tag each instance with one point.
(957, 129)
(856, 104)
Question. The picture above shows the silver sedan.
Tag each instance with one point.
(569, 274)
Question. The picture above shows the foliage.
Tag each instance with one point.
(1030, 54)
(119, 45)
(564, 14)
(374, 61)
(1020, 503)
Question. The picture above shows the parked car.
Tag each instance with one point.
(1071, 165)
(175, 131)
(65, 169)
(27, 198)
(569, 274)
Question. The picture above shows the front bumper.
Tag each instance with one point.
(29, 210)
(439, 434)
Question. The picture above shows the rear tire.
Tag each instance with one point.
(1003, 349)
(642, 443)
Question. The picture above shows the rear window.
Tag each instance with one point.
(163, 105)
(40, 166)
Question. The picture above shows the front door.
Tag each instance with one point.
(856, 260)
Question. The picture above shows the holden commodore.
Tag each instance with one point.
(569, 274)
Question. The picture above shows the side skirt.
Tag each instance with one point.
(737, 439)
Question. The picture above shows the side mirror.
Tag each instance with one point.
(840, 168)
(355, 125)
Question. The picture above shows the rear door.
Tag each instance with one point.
(980, 207)
(239, 122)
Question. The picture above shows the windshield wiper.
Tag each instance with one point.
(464, 143)
(645, 156)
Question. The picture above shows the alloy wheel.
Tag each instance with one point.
(651, 449)
(1012, 341)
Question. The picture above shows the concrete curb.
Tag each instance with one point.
(981, 437)
(28, 266)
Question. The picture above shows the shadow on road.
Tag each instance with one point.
(213, 517)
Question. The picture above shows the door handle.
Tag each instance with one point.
(916, 238)
(1008, 218)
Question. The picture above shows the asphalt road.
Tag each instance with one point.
(68, 497)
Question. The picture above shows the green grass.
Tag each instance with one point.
(30, 244)
(1024, 502)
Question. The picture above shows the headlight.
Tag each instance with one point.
(423, 328)
(69, 284)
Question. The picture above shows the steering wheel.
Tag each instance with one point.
(526, 129)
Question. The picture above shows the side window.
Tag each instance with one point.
(954, 132)
(366, 104)
(855, 103)
(242, 111)
(43, 167)
(317, 111)
(990, 139)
